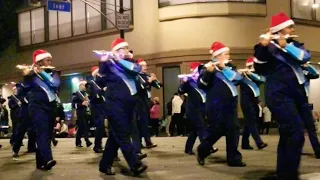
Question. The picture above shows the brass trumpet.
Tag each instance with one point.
(277, 36)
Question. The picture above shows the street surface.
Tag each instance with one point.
(165, 162)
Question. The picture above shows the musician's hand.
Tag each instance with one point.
(266, 40)
(185, 79)
(25, 72)
(305, 65)
(36, 68)
(151, 78)
(106, 56)
(282, 41)
(19, 103)
(210, 68)
(85, 103)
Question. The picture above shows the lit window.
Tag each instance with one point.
(164, 3)
(24, 28)
(37, 25)
(64, 19)
(306, 9)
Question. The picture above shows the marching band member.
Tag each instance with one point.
(143, 105)
(249, 99)
(195, 108)
(14, 105)
(311, 73)
(80, 102)
(120, 76)
(97, 103)
(219, 82)
(26, 121)
(280, 60)
(41, 104)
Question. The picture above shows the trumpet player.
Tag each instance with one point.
(42, 98)
(14, 105)
(249, 99)
(80, 102)
(195, 107)
(144, 101)
(97, 103)
(219, 82)
(286, 96)
(120, 76)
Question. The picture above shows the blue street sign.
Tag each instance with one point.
(59, 5)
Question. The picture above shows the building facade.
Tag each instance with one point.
(168, 34)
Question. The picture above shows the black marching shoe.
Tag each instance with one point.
(109, 171)
(140, 169)
(79, 145)
(263, 145)
(49, 165)
(0, 146)
(213, 150)
(247, 147)
(15, 155)
(98, 150)
(89, 144)
(142, 155)
(55, 142)
(152, 145)
(190, 152)
(237, 164)
(200, 160)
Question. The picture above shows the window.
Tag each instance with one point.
(110, 12)
(306, 9)
(164, 3)
(79, 17)
(24, 28)
(37, 25)
(93, 17)
(53, 25)
(64, 19)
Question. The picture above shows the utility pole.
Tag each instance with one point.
(121, 12)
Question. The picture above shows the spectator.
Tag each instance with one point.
(63, 133)
(176, 115)
(155, 116)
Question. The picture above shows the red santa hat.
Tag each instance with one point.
(279, 22)
(250, 61)
(40, 54)
(218, 48)
(141, 62)
(194, 66)
(118, 44)
(94, 70)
